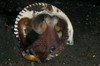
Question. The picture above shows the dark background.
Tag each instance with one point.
(85, 18)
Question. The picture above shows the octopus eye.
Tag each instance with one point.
(57, 28)
(43, 31)
(43, 26)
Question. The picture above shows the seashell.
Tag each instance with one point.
(43, 31)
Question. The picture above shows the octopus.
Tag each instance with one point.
(43, 32)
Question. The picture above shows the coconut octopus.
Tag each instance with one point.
(43, 31)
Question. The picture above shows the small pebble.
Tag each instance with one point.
(93, 56)
(10, 64)
(87, 19)
(93, 5)
(9, 59)
(63, 63)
